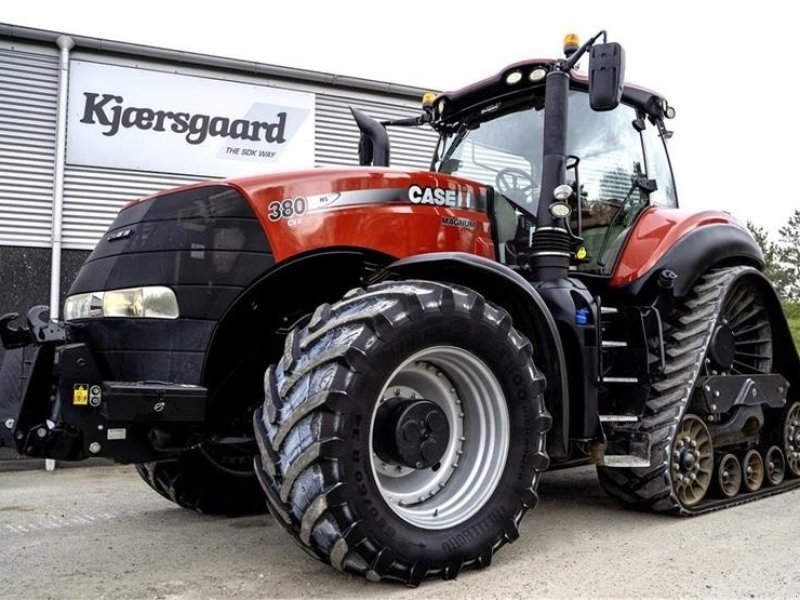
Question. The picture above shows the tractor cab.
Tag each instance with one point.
(540, 124)
(616, 161)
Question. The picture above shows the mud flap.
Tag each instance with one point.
(12, 380)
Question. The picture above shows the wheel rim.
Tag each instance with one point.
(745, 319)
(729, 475)
(471, 398)
(692, 460)
(791, 439)
(775, 465)
(753, 471)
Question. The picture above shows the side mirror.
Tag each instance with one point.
(606, 76)
(373, 146)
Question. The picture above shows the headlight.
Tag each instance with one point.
(144, 302)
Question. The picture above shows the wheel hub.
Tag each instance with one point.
(688, 460)
(442, 408)
(722, 349)
(415, 433)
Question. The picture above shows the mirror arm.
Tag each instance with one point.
(422, 119)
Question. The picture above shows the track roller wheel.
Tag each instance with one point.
(729, 475)
(775, 465)
(753, 467)
(692, 460)
(791, 439)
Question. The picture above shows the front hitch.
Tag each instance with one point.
(26, 388)
(56, 401)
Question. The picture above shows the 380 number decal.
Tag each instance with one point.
(286, 209)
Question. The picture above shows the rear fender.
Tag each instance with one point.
(506, 288)
(687, 243)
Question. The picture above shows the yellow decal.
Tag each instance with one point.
(581, 253)
(80, 394)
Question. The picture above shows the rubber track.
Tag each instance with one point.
(297, 429)
(686, 339)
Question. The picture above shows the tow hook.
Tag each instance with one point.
(38, 330)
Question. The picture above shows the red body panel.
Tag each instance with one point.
(369, 208)
(372, 208)
(654, 234)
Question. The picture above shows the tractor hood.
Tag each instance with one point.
(452, 192)
(398, 212)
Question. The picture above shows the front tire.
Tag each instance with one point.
(213, 479)
(403, 432)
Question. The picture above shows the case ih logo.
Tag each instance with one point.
(108, 110)
(442, 197)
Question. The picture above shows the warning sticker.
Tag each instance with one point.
(117, 434)
(80, 394)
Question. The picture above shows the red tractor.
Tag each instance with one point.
(433, 341)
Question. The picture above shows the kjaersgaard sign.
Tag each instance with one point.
(150, 121)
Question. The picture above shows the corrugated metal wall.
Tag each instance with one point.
(28, 98)
(337, 134)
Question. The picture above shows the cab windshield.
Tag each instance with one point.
(502, 147)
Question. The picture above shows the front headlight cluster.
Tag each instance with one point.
(153, 302)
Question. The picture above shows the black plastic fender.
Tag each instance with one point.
(508, 289)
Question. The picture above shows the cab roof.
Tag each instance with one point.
(495, 88)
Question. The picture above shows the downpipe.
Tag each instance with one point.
(65, 44)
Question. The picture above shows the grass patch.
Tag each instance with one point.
(792, 310)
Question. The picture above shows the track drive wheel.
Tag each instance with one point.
(403, 432)
(692, 460)
(215, 479)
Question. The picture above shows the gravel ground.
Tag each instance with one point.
(102, 533)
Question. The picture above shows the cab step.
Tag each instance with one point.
(619, 419)
(622, 461)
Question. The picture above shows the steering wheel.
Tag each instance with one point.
(600, 213)
(515, 184)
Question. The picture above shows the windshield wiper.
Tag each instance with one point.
(639, 182)
(462, 131)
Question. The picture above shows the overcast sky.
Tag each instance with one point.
(727, 68)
